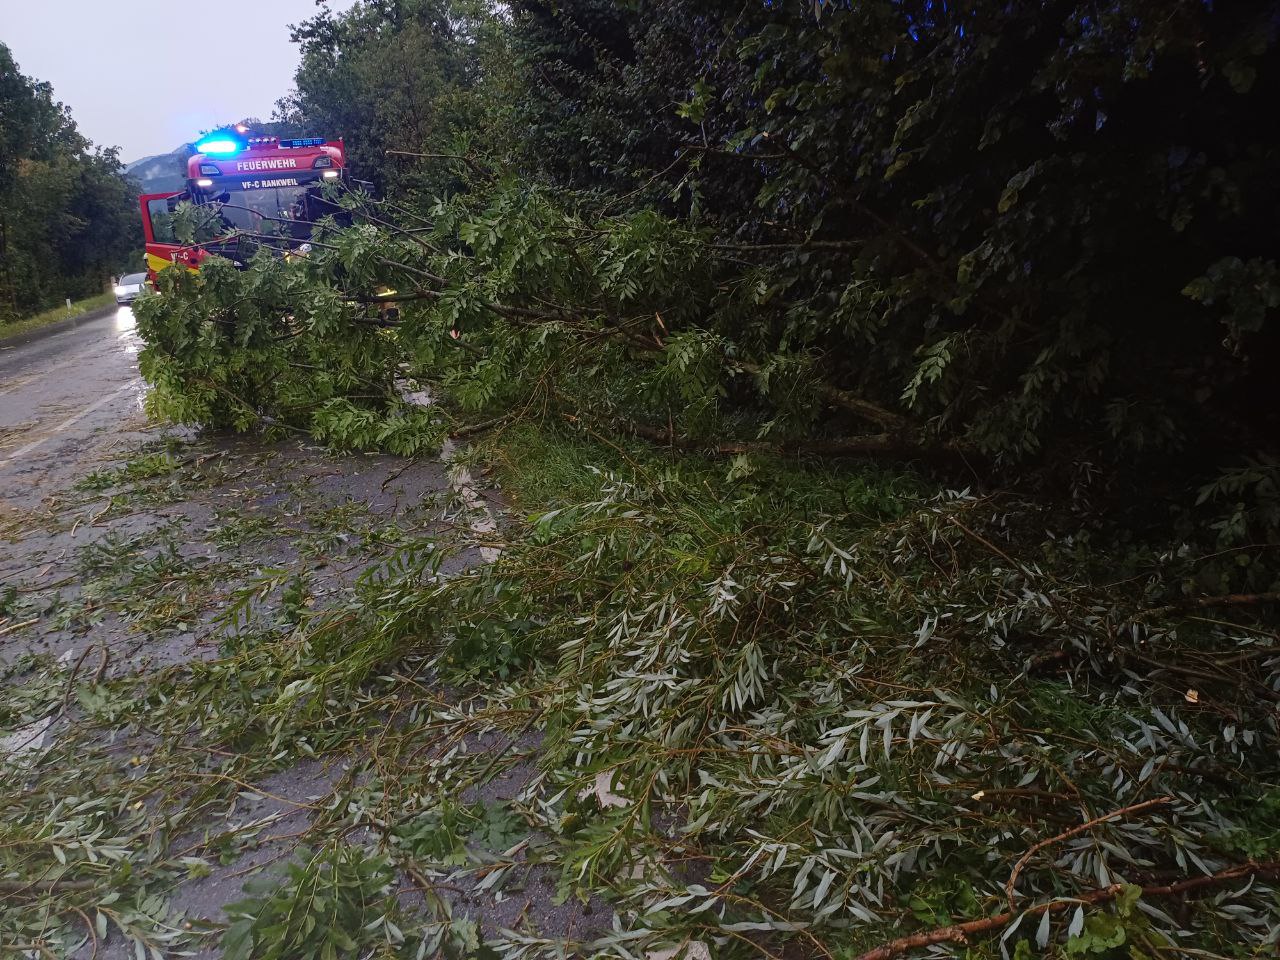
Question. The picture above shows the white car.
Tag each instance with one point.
(130, 287)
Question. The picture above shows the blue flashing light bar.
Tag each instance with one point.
(219, 145)
(304, 142)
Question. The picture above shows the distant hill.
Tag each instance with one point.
(162, 172)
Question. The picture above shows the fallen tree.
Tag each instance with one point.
(768, 632)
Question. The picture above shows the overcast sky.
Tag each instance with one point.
(127, 74)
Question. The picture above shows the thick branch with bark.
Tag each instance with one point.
(871, 445)
(848, 401)
(1225, 600)
(1076, 831)
(960, 932)
(475, 167)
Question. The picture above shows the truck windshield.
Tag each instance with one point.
(286, 210)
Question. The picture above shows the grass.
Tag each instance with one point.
(78, 309)
(544, 470)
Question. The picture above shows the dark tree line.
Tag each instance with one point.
(68, 216)
(1031, 224)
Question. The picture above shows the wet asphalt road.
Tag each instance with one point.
(64, 397)
(70, 403)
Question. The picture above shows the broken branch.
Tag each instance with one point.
(1076, 831)
(960, 932)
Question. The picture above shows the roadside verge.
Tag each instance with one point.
(28, 334)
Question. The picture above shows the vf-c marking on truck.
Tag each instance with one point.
(262, 184)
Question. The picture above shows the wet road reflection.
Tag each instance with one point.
(62, 394)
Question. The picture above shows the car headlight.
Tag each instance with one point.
(121, 291)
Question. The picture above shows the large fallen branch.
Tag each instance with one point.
(852, 403)
(960, 932)
(1226, 600)
(870, 445)
(847, 401)
(846, 446)
(1234, 600)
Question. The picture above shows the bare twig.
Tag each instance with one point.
(104, 656)
(75, 672)
(797, 245)
(1076, 831)
(92, 932)
(475, 167)
(986, 543)
(44, 886)
(474, 428)
(19, 626)
(27, 948)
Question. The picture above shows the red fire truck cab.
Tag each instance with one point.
(262, 188)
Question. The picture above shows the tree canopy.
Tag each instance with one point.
(393, 75)
(68, 216)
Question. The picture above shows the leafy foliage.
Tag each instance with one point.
(1095, 298)
(333, 903)
(784, 705)
(254, 347)
(852, 705)
(406, 75)
(990, 211)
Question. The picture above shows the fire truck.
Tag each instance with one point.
(257, 190)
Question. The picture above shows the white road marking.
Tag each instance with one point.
(75, 358)
(67, 423)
